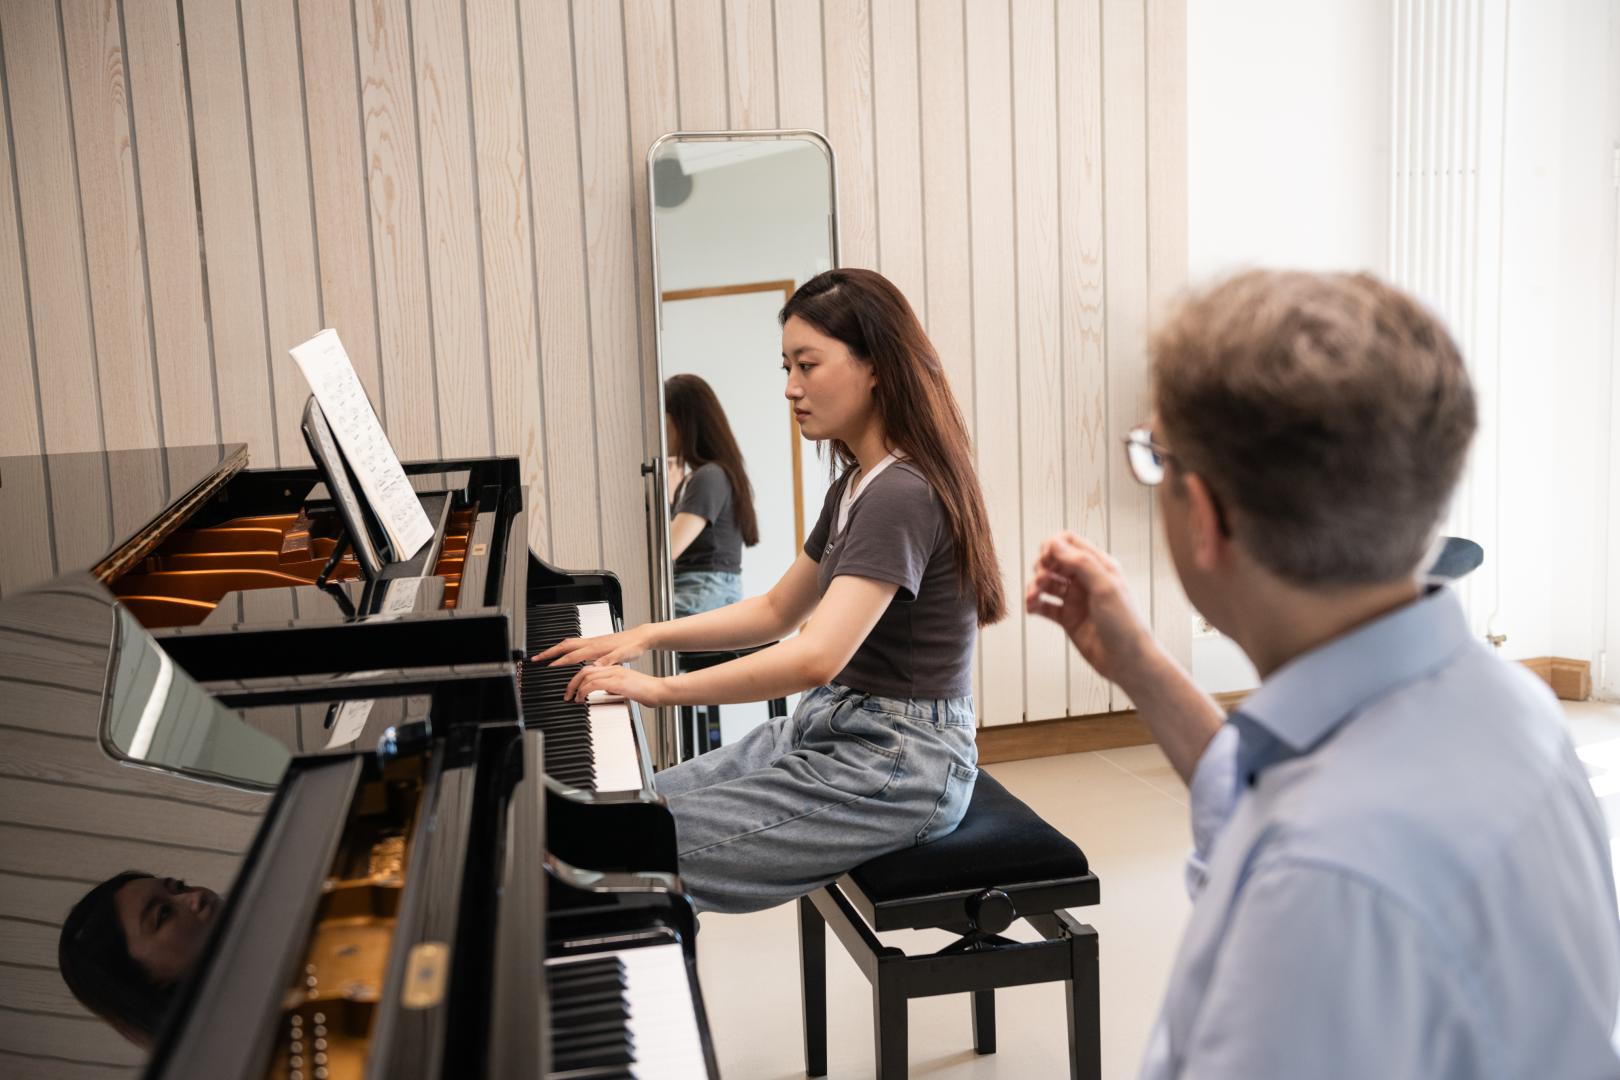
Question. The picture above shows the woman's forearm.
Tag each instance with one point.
(793, 666)
(742, 625)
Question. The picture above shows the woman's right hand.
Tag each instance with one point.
(620, 648)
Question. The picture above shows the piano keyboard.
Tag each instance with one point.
(589, 745)
(622, 1015)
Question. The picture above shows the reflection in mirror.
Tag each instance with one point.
(738, 224)
(157, 716)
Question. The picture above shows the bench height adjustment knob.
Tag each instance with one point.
(992, 911)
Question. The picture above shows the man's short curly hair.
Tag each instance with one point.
(1333, 411)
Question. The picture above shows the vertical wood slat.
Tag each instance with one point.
(650, 78)
(947, 309)
(701, 65)
(898, 150)
(339, 180)
(750, 64)
(282, 169)
(605, 182)
(112, 226)
(235, 289)
(1042, 427)
(995, 344)
(948, 305)
(1125, 231)
(163, 156)
(847, 52)
(800, 73)
(1087, 448)
(507, 234)
(565, 345)
(393, 172)
(1167, 257)
(450, 213)
(19, 406)
(51, 227)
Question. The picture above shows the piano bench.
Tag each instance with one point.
(1002, 863)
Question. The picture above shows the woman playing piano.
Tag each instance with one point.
(898, 575)
(713, 516)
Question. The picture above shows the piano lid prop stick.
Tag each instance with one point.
(365, 445)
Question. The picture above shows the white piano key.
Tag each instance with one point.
(595, 620)
(663, 1016)
(613, 743)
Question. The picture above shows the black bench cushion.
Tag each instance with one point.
(1001, 844)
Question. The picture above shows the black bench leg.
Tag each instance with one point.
(889, 1022)
(1082, 999)
(813, 972)
(984, 1021)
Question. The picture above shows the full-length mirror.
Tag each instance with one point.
(739, 220)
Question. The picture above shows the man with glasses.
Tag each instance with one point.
(1399, 868)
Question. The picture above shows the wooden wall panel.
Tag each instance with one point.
(565, 342)
(995, 342)
(898, 150)
(605, 179)
(458, 187)
(801, 79)
(339, 173)
(451, 212)
(847, 59)
(947, 308)
(506, 232)
(19, 406)
(1086, 447)
(1125, 229)
(52, 237)
(1042, 426)
(751, 64)
(282, 173)
(230, 229)
(700, 64)
(399, 250)
(1166, 107)
(112, 222)
(162, 111)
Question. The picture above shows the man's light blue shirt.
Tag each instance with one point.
(1415, 882)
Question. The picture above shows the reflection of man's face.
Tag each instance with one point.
(165, 922)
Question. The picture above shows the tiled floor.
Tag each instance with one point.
(1127, 809)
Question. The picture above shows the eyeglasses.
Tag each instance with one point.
(1147, 457)
(1148, 460)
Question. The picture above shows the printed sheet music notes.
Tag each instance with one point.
(364, 443)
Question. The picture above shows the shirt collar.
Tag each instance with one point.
(1308, 698)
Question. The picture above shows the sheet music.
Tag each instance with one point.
(365, 445)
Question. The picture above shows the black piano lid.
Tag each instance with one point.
(83, 691)
(65, 512)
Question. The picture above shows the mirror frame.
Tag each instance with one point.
(661, 568)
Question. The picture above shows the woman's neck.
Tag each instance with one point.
(869, 448)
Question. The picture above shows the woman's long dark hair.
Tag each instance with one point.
(93, 955)
(864, 310)
(704, 437)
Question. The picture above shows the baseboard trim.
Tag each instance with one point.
(1073, 734)
(1570, 679)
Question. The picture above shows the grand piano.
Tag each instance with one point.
(427, 863)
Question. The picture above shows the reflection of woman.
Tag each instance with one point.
(129, 942)
(899, 573)
(714, 502)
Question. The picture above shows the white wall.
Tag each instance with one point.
(1289, 157)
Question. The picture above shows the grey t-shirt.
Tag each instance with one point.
(707, 493)
(922, 647)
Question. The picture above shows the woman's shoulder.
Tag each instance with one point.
(905, 479)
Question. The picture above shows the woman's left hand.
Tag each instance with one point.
(621, 682)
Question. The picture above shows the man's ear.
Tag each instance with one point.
(1209, 541)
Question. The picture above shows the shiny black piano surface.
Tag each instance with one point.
(357, 779)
